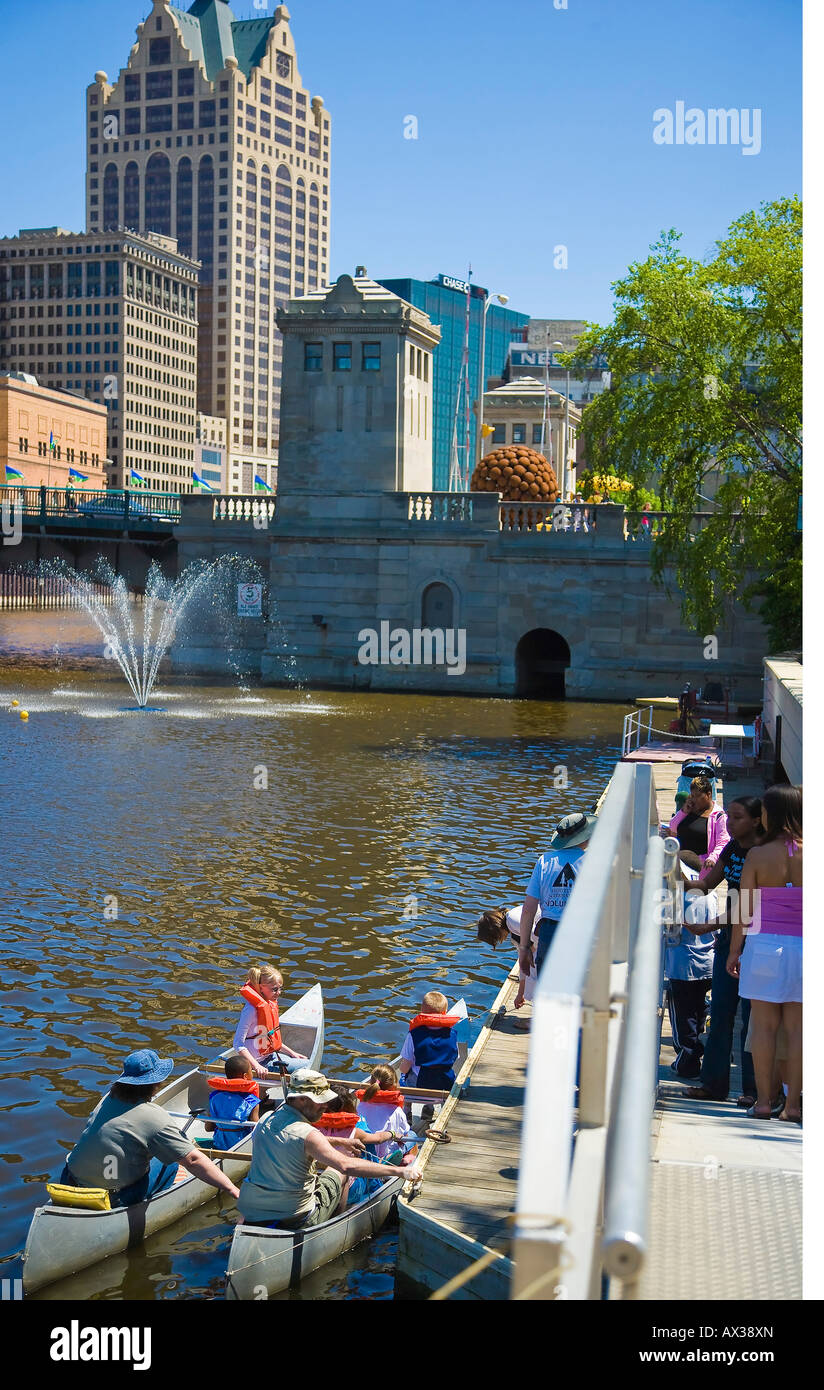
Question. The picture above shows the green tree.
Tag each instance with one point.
(705, 363)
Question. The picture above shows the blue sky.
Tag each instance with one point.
(534, 128)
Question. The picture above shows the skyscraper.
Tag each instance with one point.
(207, 127)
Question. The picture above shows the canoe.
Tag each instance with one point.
(264, 1262)
(63, 1240)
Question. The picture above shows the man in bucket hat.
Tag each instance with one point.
(131, 1146)
(284, 1185)
(551, 884)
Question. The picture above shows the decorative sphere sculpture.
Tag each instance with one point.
(521, 474)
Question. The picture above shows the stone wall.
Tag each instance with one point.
(372, 556)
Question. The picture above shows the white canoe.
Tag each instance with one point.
(63, 1240)
(264, 1262)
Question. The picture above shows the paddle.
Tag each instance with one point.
(414, 1092)
(216, 1154)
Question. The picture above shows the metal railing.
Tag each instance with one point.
(633, 723)
(22, 590)
(595, 1026)
(110, 506)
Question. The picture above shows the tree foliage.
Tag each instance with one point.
(705, 363)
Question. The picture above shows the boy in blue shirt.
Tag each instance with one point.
(235, 1097)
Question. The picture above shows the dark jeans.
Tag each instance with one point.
(546, 931)
(157, 1179)
(688, 1011)
(715, 1068)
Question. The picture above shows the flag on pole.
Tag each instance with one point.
(201, 482)
(260, 485)
(13, 473)
(136, 477)
(51, 442)
(81, 477)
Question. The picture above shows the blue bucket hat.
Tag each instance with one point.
(144, 1068)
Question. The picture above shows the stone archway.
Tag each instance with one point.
(541, 660)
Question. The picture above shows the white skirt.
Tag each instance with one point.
(771, 969)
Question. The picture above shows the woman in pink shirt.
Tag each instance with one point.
(701, 826)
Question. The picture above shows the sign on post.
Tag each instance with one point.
(250, 600)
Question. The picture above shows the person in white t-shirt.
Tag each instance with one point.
(551, 885)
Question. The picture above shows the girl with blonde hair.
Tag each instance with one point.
(257, 1036)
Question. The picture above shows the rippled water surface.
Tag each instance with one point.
(377, 808)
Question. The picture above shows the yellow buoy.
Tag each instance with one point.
(14, 704)
(24, 714)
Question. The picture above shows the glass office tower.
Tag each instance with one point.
(444, 300)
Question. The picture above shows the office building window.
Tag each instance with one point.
(159, 195)
(207, 114)
(131, 121)
(313, 357)
(131, 196)
(132, 87)
(185, 82)
(160, 52)
(186, 115)
(343, 357)
(158, 118)
(111, 197)
(371, 357)
(158, 84)
(499, 434)
(206, 215)
(519, 434)
(537, 431)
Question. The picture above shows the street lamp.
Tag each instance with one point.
(502, 299)
(562, 479)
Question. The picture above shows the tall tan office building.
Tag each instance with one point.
(209, 135)
(112, 318)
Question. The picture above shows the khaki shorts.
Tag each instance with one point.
(327, 1197)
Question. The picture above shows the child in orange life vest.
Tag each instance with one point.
(430, 1048)
(235, 1097)
(380, 1104)
(341, 1120)
(257, 1036)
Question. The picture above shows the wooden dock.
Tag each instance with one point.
(460, 1214)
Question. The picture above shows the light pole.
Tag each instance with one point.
(502, 299)
(562, 479)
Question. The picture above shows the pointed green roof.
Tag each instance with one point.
(212, 34)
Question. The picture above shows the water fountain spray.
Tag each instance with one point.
(164, 606)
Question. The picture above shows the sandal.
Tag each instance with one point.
(754, 1116)
(744, 1102)
(701, 1093)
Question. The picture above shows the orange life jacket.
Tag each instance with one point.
(238, 1085)
(269, 1039)
(434, 1021)
(381, 1098)
(340, 1119)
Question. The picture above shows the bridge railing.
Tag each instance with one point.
(127, 506)
(595, 1025)
(20, 589)
(638, 721)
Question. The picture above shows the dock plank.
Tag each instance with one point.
(470, 1184)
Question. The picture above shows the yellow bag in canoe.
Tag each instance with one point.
(90, 1198)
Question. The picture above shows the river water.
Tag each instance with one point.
(348, 838)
